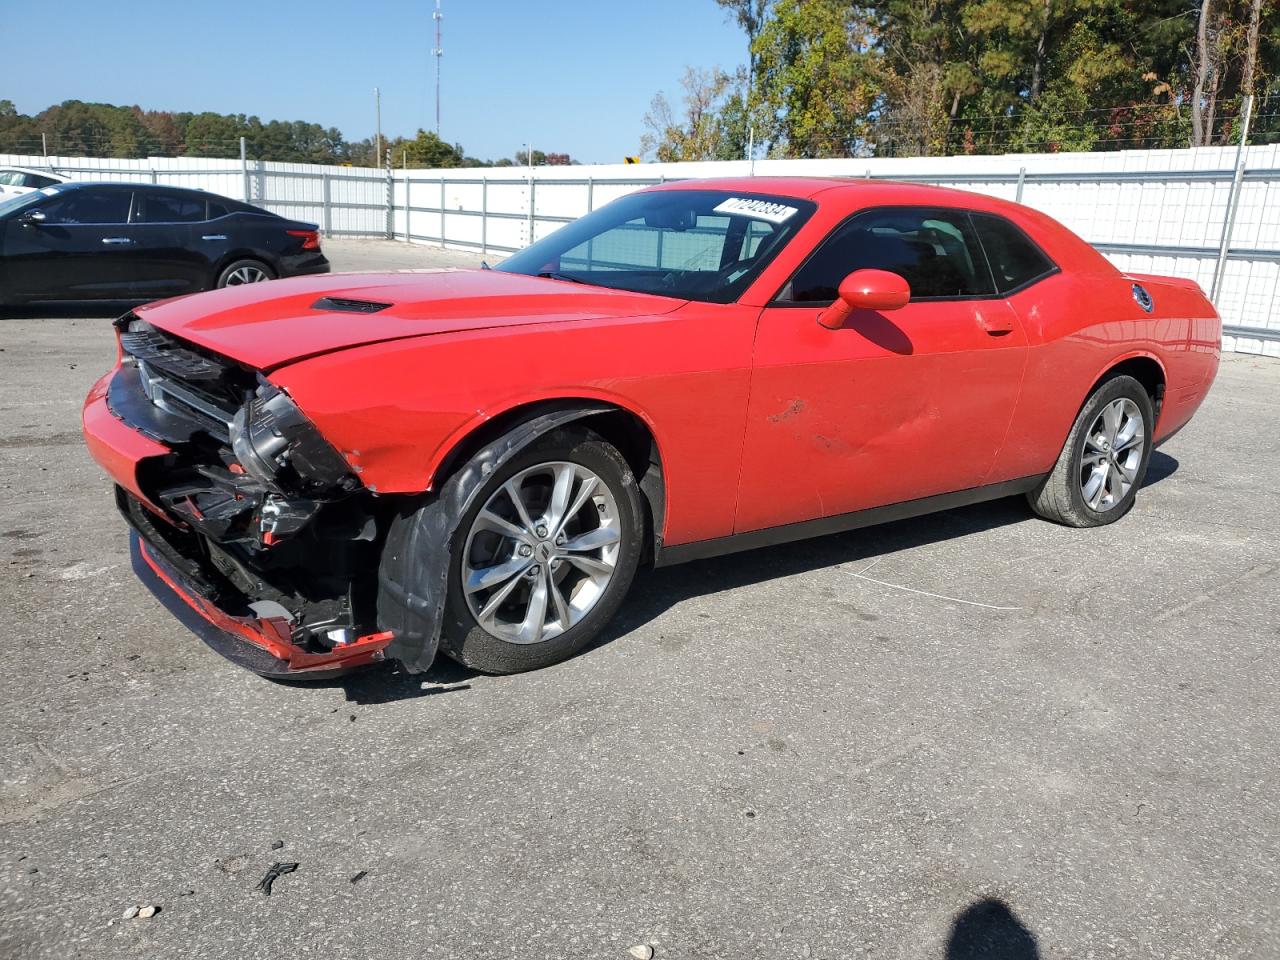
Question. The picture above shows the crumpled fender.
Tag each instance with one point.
(413, 575)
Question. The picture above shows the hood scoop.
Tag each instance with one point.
(344, 305)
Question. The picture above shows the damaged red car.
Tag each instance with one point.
(323, 472)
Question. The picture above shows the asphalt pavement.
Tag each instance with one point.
(971, 735)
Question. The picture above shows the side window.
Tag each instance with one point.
(217, 210)
(36, 182)
(10, 178)
(89, 206)
(1015, 260)
(934, 250)
(169, 208)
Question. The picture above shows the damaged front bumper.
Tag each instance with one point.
(263, 645)
(245, 524)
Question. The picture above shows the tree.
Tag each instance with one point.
(816, 77)
(428, 150)
(709, 125)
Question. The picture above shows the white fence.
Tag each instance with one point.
(1151, 211)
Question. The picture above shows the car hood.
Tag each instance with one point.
(268, 325)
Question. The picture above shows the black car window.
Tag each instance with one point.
(217, 210)
(169, 208)
(89, 206)
(36, 182)
(1015, 260)
(934, 250)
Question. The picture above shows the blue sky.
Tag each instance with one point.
(572, 75)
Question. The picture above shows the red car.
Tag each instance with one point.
(327, 471)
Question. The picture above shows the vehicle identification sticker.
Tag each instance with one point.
(759, 209)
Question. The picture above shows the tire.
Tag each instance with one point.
(241, 271)
(613, 504)
(1091, 484)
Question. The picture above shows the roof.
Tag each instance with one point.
(36, 170)
(131, 185)
(867, 192)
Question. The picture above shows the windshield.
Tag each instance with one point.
(20, 202)
(692, 244)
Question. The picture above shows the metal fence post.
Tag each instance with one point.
(1233, 202)
(484, 217)
(532, 215)
(1022, 179)
(591, 194)
(408, 205)
(244, 169)
(391, 198)
(154, 176)
(442, 211)
(327, 201)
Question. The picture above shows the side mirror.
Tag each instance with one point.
(877, 290)
(32, 218)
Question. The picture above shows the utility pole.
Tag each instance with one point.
(377, 106)
(437, 52)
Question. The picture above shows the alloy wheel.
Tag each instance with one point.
(246, 274)
(541, 552)
(1112, 455)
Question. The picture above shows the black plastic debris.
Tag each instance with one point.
(360, 876)
(277, 870)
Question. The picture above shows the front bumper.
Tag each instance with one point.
(184, 579)
(258, 644)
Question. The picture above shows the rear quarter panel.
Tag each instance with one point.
(1080, 324)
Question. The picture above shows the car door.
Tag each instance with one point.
(74, 246)
(892, 406)
(165, 230)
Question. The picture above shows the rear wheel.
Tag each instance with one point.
(245, 271)
(544, 557)
(1104, 460)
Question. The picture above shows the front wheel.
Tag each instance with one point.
(1104, 460)
(544, 557)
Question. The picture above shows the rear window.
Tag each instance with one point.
(1015, 260)
(169, 208)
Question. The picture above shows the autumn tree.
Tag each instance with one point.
(708, 123)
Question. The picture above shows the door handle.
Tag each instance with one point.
(996, 319)
(214, 236)
(116, 240)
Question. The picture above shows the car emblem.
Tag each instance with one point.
(1144, 299)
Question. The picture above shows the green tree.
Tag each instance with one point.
(817, 77)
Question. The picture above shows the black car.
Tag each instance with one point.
(128, 241)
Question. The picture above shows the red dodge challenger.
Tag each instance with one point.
(328, 471)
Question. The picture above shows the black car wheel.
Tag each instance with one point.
(245, 271)
(540, 560)
(1104, 460)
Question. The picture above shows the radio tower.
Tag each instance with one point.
(437, 52)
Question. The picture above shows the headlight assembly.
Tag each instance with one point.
(279, 447)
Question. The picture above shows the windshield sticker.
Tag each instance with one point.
(758, 209)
